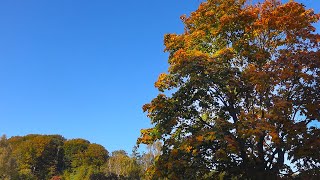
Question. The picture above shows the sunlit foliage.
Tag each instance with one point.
(40, 157)
(245, 80)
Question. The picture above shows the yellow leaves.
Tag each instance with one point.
(197, 53)
(186, 147)
(161, 80)
(165, 82)
(178, 59)
(210, 13)
(197, 34)
(195, 152)
(226, 53)
(158, 103)
(199, 138)
(148, 136)
(225, 19)
(173, 41)
(210, 136)
(285, 17)
(180, 54)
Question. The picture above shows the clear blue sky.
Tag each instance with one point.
(84, 68)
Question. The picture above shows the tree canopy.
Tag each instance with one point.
(244, 99)
(52, 157)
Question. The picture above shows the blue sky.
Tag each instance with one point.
(84, 68)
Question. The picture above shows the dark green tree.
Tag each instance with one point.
(74, 150)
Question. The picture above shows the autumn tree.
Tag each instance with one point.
(83, 159)
(38, 156)
(245, 80)
(74, 150)
(96, 155)
(8, 165)
(34, 157)
(122, 165)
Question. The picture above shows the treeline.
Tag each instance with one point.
(52, 157)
